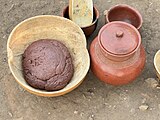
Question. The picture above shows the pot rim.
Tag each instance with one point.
(128, 7)
(155, 62)
(118, 55)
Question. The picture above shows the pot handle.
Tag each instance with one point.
(105, 12)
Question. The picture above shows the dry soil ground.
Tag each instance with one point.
(92, 100)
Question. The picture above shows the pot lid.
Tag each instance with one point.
(119, 38)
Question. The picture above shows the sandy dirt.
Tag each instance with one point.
(92, 100)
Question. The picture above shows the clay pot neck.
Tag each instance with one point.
(113, 57)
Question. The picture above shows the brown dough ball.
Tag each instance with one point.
(47, 65)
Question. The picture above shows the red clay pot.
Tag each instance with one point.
(117, 55)
(125, 13)
(88, 30)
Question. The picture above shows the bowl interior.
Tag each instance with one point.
(125, 14)
(51, 27)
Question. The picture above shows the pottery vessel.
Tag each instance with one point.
(117, 55)
(124, 13)
(88, 30)
(48, 27)
(157, 63)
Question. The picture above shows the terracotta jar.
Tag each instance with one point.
(117, 55)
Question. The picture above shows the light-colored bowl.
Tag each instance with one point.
(157, 63)
(81, 10)
(51, 27)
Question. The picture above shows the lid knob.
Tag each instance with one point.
(119, 34)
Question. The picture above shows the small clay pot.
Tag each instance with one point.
(88, 30)
(117, 55)
(124, 13)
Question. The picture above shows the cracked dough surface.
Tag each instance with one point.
(47, 64)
